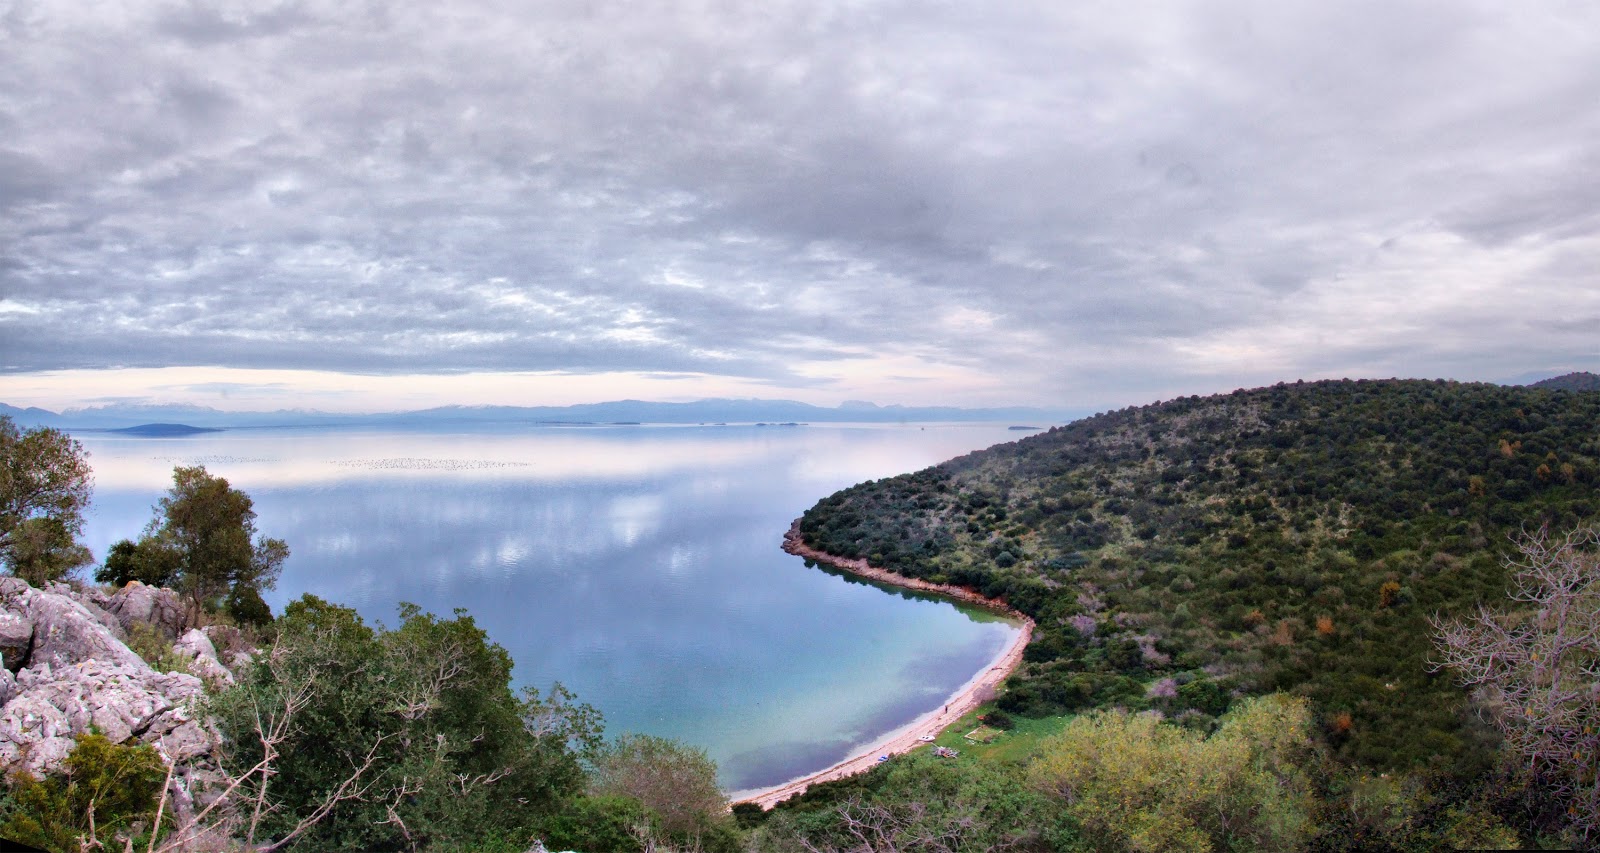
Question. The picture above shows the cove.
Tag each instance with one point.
(638, 565)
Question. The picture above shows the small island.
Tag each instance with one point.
(163, 430)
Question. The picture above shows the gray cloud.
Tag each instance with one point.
(1077, 200)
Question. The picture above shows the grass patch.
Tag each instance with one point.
(1012, 747)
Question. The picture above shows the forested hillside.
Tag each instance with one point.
(1570, 382)
(1180, 555)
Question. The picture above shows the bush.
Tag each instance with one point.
(112, 787)
(1134, 782)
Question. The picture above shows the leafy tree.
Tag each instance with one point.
(1136, 783)
(348, 737)
(1537, 668)
(154, 562)
(676, 782)
(45, 484)
(211, 526)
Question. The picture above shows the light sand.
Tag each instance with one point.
(906, 738)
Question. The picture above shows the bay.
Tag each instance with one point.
(637, 565)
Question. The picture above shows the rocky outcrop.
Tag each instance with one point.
(62, 631)
(202, 656)
(73, 674)
(138, 603)
(54, 704)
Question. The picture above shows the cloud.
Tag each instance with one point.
(1055, 204)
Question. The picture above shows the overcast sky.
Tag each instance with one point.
(354, 205)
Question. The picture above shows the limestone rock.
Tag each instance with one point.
(52, 704)
(202, 655)
(75, 675)
(16, 637)
(137, 602)
(65, 632)
(94, 602)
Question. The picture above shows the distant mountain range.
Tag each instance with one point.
(619, 411)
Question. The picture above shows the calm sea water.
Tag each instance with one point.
(638, 566)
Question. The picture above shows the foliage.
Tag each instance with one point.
(1136, 783)
(211, 527)
(1537, 668)
(676, 783)
(1286, 538)
(45, 484)
(918, 802)
(599, 824)
(105, 791)
(349, 737)
(153, 561)
(147, 641)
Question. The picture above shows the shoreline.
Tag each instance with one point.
(905, 738)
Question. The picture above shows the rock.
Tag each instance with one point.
(16, 637)
(16, 629)
(8, 684)
(51, 705)
(65, 632)
(202, 655)
(150, 605)
(195, 644)
(94, 603)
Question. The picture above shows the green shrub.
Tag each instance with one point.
(109, 786)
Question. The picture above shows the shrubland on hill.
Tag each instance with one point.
(1293, 538)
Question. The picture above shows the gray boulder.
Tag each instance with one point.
(196, 646)
(73, 675)
(150, 605)
(94, 603)
(16, 638)
(64, 631)
(51, 705)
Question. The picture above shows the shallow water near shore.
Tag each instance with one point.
(638, 565)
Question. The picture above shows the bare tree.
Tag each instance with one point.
(1536, 668)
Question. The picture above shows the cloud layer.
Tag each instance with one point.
(1057, 203)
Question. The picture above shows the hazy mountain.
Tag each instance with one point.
(619, 411)
(1581, 381)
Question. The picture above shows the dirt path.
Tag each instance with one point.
(906, 738)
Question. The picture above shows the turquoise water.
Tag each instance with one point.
(639, 566)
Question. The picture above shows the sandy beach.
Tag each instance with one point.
(906, 738)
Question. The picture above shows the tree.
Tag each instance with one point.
(924, 803)
(45, 484)
(343, 736)
(211, 525)
(1536, 669)
(1137, 783)
(675, 781)
(153, 562)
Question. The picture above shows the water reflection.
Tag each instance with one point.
(640, 566)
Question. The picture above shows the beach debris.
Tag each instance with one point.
(945, 752)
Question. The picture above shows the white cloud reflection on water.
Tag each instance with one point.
(637, 565)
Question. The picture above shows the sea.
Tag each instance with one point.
(638, 565)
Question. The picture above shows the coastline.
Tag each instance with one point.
(905, 738)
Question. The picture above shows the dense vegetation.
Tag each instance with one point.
(1295, 538)
(1237, 597)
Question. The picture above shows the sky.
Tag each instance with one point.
(366, 206)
